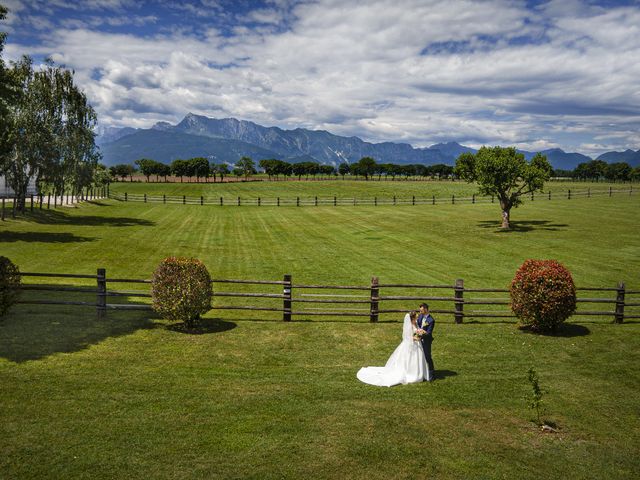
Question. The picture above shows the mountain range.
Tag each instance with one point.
(226, 140)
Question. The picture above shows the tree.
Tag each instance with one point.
(344, 169)
(122, 170)
(47, 130)
(299, 169)
(635, 174)
(246, 166)
(147, 166)
(505, 173)
(163, 170)
(101, 176)
(619, 171)
(179, 168)
(270, 166)
(200, 167)
(222, 170)
(366, 167)
(592, 170)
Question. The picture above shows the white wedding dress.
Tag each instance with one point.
(405, 365)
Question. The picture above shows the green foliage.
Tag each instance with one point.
(543, 294)
(366, 167)
(246, 166)
(592, 170)
(48, 130)
(122, 170)
(181, 289)
(180, 168)
(534, 399)
(9, 284)
(504, 173)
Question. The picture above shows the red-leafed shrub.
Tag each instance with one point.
(543, 294)
(9, 284)
(181, 290)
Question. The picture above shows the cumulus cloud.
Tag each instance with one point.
(562, 74)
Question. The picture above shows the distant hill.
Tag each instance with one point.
(228, 139)
(629, 156)
(168, 146)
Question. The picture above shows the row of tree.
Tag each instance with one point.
(200, 167)
(599, 169)
(46, 130)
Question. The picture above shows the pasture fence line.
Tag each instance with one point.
(42, 201)
(335, 201)
(291, 299)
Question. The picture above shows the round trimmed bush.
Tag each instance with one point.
(543, 294)
(181, 290)
(9, 284)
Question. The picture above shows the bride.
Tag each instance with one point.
(406, 364)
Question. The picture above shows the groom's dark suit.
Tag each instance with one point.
(427, 322)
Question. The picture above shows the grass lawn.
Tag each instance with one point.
(130, 397)
(341, 188)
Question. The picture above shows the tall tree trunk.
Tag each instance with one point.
(505, 219)
(506, 211)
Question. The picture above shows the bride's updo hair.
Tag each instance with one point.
(413, 315)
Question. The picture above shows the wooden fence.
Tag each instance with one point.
(8, 204)
(304, 300)
(354, 201)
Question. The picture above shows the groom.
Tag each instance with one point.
(427, 322)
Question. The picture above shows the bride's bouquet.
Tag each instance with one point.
(418, 334)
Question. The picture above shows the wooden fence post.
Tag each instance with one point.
(145, 198)
(394, 199)
(413, 200)
(549, 194)
(286, 304)
(459, 299)
(434, 199)
(297, 201)
(126, 197)
(453, 199)
(569, 194)
(221, 202)
(164, 198)
(619, 318)
(201, 200)
(473, 198)
(375, 294)
(259, 201)
(335, 201)
(278, 201)
(102, 292)
(184, 199)
(609, 191)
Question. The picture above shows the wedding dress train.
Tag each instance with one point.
(406, 364)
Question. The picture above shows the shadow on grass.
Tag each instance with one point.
(42, 237)
(566, 330)
(524, 226)
(443, 374)
(205, 326)
(32, 332)
(58, 217)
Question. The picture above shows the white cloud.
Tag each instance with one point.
(493, 72)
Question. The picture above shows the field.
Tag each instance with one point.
(130, 396)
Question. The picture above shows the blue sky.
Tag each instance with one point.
(532, 74)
